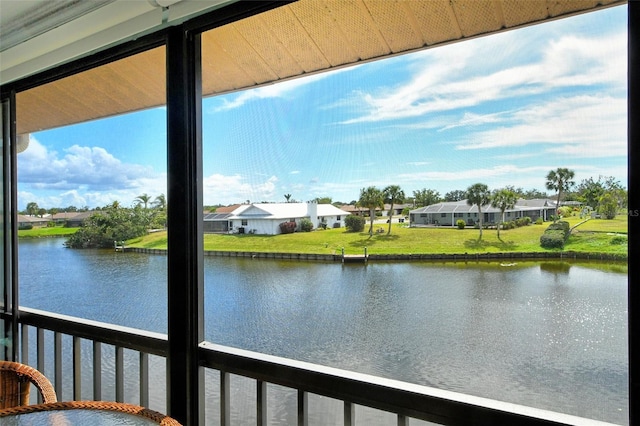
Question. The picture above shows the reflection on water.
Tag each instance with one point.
(550, 335)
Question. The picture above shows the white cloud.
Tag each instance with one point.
(91, 167)
(584, 126)
(275, 90)
(82, 176)
(221, 189)
(445, 82)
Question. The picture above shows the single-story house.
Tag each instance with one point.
(448, 213)
(25, 221)
(265, 218)
(77, 219)
(63, 217)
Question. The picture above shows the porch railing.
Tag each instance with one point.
(403, 400)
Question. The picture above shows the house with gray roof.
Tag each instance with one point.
(448, 213)
(265, 218)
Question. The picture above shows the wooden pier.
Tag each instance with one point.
(355, 258)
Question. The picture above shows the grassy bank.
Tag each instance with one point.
(594, 236)
(44, 232)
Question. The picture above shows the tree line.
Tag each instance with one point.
(33, 209)
(114, 223)
(605, 195)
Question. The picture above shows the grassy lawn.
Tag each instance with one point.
(56, 231)
(592, 236)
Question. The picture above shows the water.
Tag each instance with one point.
(551, 335)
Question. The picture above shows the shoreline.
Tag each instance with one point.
(404, 257)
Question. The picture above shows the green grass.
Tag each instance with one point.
(593, 236)
(57, 231)
(599, 236)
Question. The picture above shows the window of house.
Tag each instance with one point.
(245, 222)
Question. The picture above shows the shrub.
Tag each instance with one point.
(618, 240)
(25, 226)
(354, 223)
(560, 225)
(306, 225)
(539, 221)
(287, 227)
(552, 239)
(555, 235)
(460, 224)
(565, 211)
(608, 206)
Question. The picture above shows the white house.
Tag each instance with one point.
(265, 218)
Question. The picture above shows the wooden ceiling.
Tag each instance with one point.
(294, 40)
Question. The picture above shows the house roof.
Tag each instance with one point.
(217, 216)
(462, 207)
(64, 215)
(227, 209)
(293, 40)
(31, 219)
(284, 211)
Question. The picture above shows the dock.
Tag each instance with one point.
(355, 258)
(119, 247)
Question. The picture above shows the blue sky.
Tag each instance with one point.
(502, 110)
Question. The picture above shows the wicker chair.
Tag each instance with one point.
(15, 384)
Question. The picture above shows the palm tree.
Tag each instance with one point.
(503, 199)
(371, 198)
(32, 208)
(392, 194)
(160, 202)
(478, 194)
(287, 197)
(143, 199)
(560, 179)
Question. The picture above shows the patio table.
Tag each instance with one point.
(73, 413)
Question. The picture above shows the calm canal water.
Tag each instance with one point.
(551, 335)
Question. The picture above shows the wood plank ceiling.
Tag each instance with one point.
(294, 40)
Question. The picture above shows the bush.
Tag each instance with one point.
(460, 224)
(539, 221)
(287, 227)
(552, 239)
(565, 211)
(555, 235)
(560, 225)
(111, 224)
(618, 240)
(25, 226)
(306, 225)
(354, 223)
